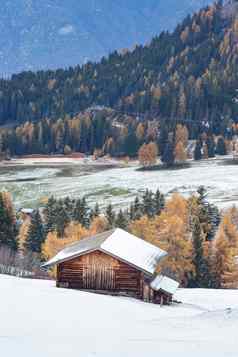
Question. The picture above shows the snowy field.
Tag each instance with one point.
(37, 319)
(116, 185)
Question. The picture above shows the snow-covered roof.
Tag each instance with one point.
(165, 284)
(117, 243)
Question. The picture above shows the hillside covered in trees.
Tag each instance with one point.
(188, 76)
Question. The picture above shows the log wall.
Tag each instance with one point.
(98, 271)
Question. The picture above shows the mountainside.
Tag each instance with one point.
(188, 76)
(55, 33)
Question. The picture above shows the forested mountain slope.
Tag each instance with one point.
(191, 72)
(55, 33)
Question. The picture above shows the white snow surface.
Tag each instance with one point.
(37, 319)
(138, 252)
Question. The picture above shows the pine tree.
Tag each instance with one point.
(121, 220)
(159, 202)
(8, 228)
(168, 155)
(81, 212)
(110, 216)
(50, 215)
(62, 218)
(148, 204)
(36, 234)
(199, 261)
(198, 151)
(221, 147)
(210, 147)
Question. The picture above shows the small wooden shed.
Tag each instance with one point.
(116, 263)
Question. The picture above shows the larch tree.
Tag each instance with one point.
(224, 262)
(172, 235)
(53, 244)
(148, 154)
(180, 152)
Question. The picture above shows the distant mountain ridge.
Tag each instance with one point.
(53, 33)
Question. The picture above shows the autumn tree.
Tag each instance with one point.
(181, 135)
(53, 244)
(148, 154)
(180, 152)
(224, 261)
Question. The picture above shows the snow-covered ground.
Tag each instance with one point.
(37, 319)
(118, 185)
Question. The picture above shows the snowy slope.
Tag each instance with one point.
(37, 319)
(54, 33)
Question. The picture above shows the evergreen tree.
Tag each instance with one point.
(210, 147)
(36, 234)
(110, 216)
(148, 204)
(69, 207)
(131, 144)
(168, 155)
(198, 151)
(221, 147)
(208, 215)
(8, 229)
(138, 212)
(62, 219)
(81, 212)
(50, 215)
(159, 202)
(121, 220)
(199, 261)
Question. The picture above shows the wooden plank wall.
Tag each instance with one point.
(99, 271)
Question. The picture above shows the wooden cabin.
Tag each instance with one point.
(115, 263)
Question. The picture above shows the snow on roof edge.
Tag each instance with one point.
(118, 243)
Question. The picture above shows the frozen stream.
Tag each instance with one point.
(118, 185)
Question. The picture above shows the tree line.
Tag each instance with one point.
(202, 242)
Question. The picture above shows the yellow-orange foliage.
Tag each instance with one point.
(53, 244)
(173, 236)
(148, 154)
(181, 135)
(98, 225)
(180, 152)
(23, 232)
(170, 231)
(224, 261)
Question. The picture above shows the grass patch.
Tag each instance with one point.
(109, 192)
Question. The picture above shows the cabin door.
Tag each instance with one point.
(98, 278)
